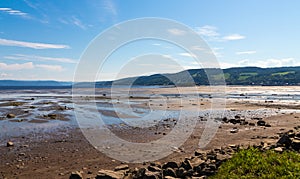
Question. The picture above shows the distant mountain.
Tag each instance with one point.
(280, 76)
(20, 83)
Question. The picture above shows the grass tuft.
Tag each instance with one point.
(253, 163)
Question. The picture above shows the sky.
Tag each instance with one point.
(45, 40)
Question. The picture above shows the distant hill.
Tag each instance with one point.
(280, 76)
(25, 83)
(233, 76)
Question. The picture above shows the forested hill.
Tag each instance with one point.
(281, 76)
(233, 76)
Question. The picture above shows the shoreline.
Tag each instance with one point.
(58, 153)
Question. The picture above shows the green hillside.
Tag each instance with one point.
(232, 76)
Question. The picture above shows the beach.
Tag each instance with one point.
(45, 125)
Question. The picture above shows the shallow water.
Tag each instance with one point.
(98, 112)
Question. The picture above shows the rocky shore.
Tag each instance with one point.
(199, 166)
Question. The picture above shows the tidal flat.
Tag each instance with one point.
(47, 134)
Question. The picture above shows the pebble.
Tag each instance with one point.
(10, 115)
(9, 144)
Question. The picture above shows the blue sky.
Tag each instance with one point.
(42, 40)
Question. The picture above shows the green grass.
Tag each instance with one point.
(248, 74)
(241, 78)
(283, 73)
(220, 76)
(252, 163)
(244, 76)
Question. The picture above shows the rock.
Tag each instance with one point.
(109, 174)
(157, 164)
(22, 154)
(169, 172)
(10, 115)
(251, 124)
(154, 169)
(128, 176)
(268, 125)
(278, 149)
(296, 144)
(234, 130)
(196, 162)
(75, 175)
(221, 157)
(233, 121)
(169, 177)
(225, 119)
(9, 144)
(261, 123)
(243, 122)
(138, 173)
(121, 167)
(186, 165)
(170, 165)
(152, 175)
(52, 116)
(181, 172)
(199, 152)
(284, 141)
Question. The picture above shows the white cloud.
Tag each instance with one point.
(73, 21)
(39, 58)
(11, 11)
(78, 23)
(6, 42)
(272, 62)
(110, 7)
(16, 66)
(208, 31)
(234, 37)
(225, 65)
(246, 52)
(198, 48)
(211, 32)
(176, 32)
(188, 55)
(265, 63)
(50, 67)
(156, 44)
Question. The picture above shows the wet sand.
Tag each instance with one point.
(49, 144)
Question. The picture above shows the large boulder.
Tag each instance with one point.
(75, 175)
(109, 174)
(284, 141)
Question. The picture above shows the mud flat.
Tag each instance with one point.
(47, 141)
